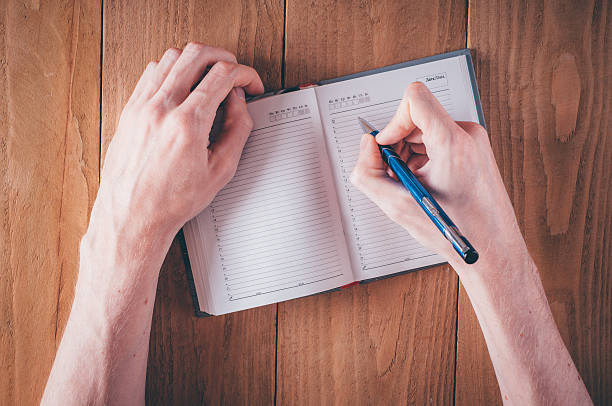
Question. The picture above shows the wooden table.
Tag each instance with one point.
(544, 70)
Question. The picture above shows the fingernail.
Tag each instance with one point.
(239, 92)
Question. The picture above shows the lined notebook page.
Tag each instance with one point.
(274, 232)
(377, 245)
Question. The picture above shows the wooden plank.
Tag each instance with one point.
(217, 360)
(391, 341)
(49, 154)
(545, 76)
(326, 39)
(386, 342)
(227, 359)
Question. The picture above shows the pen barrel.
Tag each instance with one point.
(429, 205)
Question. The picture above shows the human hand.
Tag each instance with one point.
(161, 168)
(454, 161)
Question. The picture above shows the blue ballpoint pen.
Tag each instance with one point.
(424, 199)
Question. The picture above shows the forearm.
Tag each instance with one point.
(103, 353)
(530, 359)
(159, 172)
(455, 162)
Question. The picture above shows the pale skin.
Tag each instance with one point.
(161, 169)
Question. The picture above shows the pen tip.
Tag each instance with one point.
(367, 127)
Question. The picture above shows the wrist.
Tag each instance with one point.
(498, 262)
(133, 218)
(120, 260)
(503, 278)
(125, 232)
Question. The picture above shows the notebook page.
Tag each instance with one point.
(377, 245)
(274, 232)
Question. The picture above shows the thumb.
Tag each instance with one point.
(370, 175)
(369, 154)
(237, 126)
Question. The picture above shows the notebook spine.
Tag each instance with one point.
(189, 274)
(282, 91)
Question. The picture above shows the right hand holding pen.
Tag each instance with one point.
(455, 163)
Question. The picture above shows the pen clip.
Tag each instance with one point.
(451, 232)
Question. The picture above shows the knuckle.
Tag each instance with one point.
(249, 122)
(153, 111)
(225, 170)
(245, 122)
(222, 53)
(415, 89)
(231, 55)
(180, 122)
(172, 52)
(223, 68)
(479, 131)
(195, 47)
(229, 170)
(203, 94)
(254, 75)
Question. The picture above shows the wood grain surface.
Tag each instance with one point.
(544, 69)
(392, 341)
(386, 342)
(49, 152)
(545, 75)
(326, 39)
(219, 360)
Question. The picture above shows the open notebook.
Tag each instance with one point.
(290, 223)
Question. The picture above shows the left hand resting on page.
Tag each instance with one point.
(160, 165)
(160, 170)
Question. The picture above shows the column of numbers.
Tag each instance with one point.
(345, 165)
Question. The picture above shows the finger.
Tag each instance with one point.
(370, 172)
(371, 177)
(403, 149)
(416, 162)
(419, 109)
(369, 154)
(473, 129)
(237, 125)
(212, 90)
(416, 136)
(418, 149)
(161, 72)
(143, 82)
(392, 174)
(188, 69)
